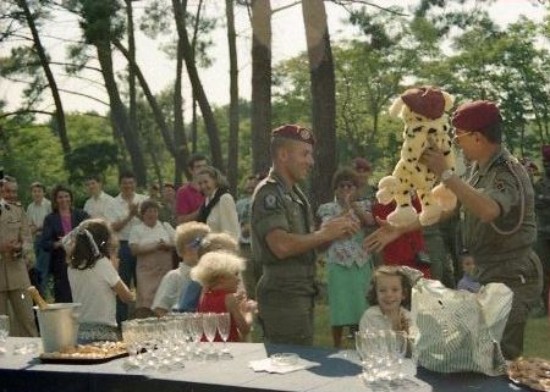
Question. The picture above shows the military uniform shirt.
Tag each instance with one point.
(499, 180)
(275, 206)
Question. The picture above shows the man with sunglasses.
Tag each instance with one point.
(498, 216)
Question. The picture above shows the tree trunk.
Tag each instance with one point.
(119, 117)
(155, 107)
(323, 107)
(180, 140)
(261, 85)
(233, 144)
(44, 62)
(198, 90)
(131, 60)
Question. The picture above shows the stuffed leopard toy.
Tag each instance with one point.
(426, 124)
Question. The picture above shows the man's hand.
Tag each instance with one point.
(381, 237)
(133, 209)
(341, 227)
(434, 159)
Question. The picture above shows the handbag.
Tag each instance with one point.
(460, 331)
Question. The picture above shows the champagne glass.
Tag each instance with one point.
(224, 326)
(400, 343)
(4, 332)
(196, 331)
(210, 326)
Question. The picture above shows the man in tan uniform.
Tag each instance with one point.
(16, 254)
(284, 241)
(498, 224)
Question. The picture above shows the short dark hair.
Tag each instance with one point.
(493, 133)
(169, 185)
(126, 174)
(38, 184)
(196, 158)
(390, 270)
(94, 177)
(146, 205)
(344, 174)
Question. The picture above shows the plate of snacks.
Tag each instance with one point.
(97, 352)
(532, 372)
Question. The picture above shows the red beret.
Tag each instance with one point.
(361, 164)
(426, 101)
(546, 152)
(294, 132)
(476, 116)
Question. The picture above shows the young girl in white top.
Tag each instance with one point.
(389, 296)
(95, 282)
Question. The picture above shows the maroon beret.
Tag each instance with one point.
(426, 101)
(361, 164)
(294, 132)
(476, 116)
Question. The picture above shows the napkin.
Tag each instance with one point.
(266, 365)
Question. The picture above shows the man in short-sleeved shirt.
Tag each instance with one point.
(188, 197)
(499, 226)
(284, 241)
(100, 204)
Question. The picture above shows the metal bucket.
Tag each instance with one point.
(58, 326)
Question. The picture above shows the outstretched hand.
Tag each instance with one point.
(378, 240)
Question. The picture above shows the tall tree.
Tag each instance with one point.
(180, 7)
(323, 101)
(261, 84)
(233, 143)
(101, 25)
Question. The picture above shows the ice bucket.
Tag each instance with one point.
(58, 325)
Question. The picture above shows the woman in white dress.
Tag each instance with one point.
(152, 242)
(218, 210)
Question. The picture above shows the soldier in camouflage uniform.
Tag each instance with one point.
(542, 208)
(497, 203)
(284, 241)
(16, 256)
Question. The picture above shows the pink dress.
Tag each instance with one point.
(213, 301)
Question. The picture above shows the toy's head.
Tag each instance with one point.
(421, 104)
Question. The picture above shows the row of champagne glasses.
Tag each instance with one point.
(164, 344)
(381, 353)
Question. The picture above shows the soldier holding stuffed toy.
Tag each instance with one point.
(498, 207)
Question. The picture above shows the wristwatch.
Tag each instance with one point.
(446, 175)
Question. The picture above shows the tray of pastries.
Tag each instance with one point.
(96, 352)
(532, 372)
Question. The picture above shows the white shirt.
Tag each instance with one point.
(223, 217)
(374, 320)
(171, 287)
(92, 288)
(142, 234)
(122, 209)
(37, 212)
(103, 206)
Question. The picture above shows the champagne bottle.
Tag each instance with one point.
(37, 298)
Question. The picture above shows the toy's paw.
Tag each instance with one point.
(444, 197)
(402, 216)
(429, 215)
(386, 189)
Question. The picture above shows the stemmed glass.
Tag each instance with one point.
(196, 329)
(210, 326)
(400, 340)
(224, 326)
(4, 332)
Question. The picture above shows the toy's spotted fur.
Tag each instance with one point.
(410, 175)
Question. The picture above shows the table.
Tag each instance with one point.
(335, 374)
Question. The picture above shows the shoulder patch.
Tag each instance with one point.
(270, 202)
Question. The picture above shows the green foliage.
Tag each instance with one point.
(90, 159)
